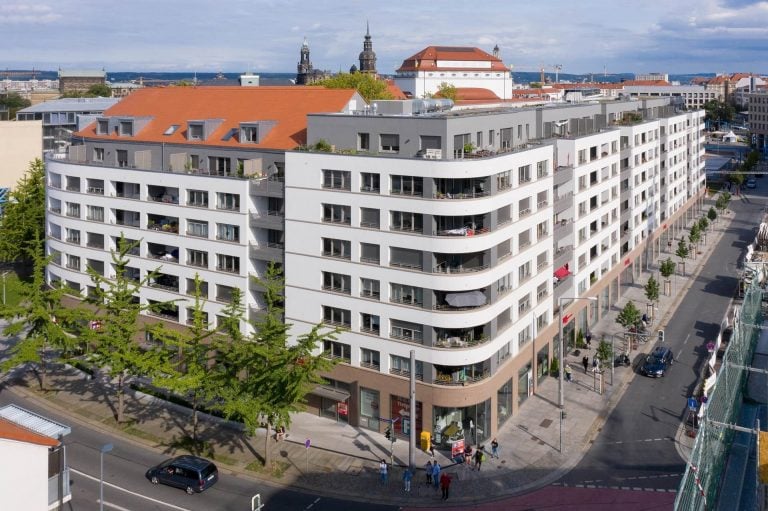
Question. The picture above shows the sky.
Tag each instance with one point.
(587, 36)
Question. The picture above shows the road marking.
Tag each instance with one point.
(312, 504)
(113, 506)
(116, 487)
(686, 339)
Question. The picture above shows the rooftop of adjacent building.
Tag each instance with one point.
(429, 58)
(82, 73)
(21, 425)
(72, 105)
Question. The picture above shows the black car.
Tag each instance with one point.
(657, 362)
(189, 473)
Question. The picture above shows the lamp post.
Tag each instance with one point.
(560, 350)
(104, 449)
(5, 274)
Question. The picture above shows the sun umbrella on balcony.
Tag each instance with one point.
(467, 299)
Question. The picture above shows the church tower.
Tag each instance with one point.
(367, 56)
(304, 68)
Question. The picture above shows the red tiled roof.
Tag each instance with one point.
(12, 431)
(427, 59)
(396, 92)
(474, 94)
(286, 106)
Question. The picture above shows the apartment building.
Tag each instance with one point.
(758, 118)
(191, 174)
(461, 236)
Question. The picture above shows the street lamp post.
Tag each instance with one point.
(5, 274)
(560, 350)
(104, 449)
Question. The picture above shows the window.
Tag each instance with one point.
(98, 154)
(336, 282)
(405, 294)
(337, 214)
(197, 228)
(336, 248)
(402, 366)
(406, 331)
(504, 180)
(524, 304)
(171, 129)
(335, 349)
(405, 258)
(95, 240)
(369, 182)
(191, 289)
(103, 127)
(228, 263)
(121, 155)
(249, 134)
(524, 272)
(370, 323)
(524, 336)
(336, 179)
(197, 198)
(73, 209)
(220, 166)
(336, 316)
(73, 262)
(389, 143)
(407, 185)
(228, 232)
(194, 161)
(524, 174)
(369, 288)
(430, 142)
(541, 230)
(524, 239)
(491, 139)
(197, 258)
(363, 141)
(369, 253)
(126, 128)
(229, 201)
(542, 168)
(73, 236)
(369, 358)
(94, 213)
(195, 131)
(369, 218)
(406, 221)
(223, 293)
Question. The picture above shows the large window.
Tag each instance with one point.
(197, 198)
(335, 349)
(407, 185)
(369, 358)
(405, 294)
(336, 213)
(228, 263)
(369, 253)
(197, 258)
(220, 165)
(336, 316)
(228, 232)
(390, 143)
(406, 331)
(402, 366)
(369, 323)
(94, 213)
(197, 228)
(336, 282)
(229, 201)
(336, 248)
(369, 288)
(336, 179)
(369, 218)
(369, 182)
(406, 221)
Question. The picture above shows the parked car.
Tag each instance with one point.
(751, 183)
(189, 473)
(657, 363)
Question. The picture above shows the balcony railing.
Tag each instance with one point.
(59, 481)
(445, 268)
(406, 374)
(447, 379)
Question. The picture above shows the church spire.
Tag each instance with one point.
(367, 56)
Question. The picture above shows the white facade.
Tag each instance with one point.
(24, 481)
(512, 267)
(421, 84)
(693, 96)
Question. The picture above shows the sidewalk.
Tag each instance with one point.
(343, 461)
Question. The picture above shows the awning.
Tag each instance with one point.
(34, 422)
(562, 272)
(468, 299)
(329, 393)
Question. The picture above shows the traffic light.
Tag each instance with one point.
(661, 336)
(388, 433)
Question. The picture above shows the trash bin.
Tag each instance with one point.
(426, 440)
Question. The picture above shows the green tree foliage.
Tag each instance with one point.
(186, 373)
(629, 316)
(667, 268)
(736, 178)
(719, 111)
(368, 86)
(682, 250)
(99, 90)
(604, 353)
(13, 102)
(652, 290)
(39, 319)
(712, 214)
(447, 91)
(23, 219)
(116, 342)
(703, 224)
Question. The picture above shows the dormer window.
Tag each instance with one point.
(126, 128)
(171, 129)
(102, 128)
(195, 131)
(249, 134)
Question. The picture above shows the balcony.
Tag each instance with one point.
(57, 482)
(163, 223)
(462, 375)
(461, 263)
(460, 301)
(163, 252)
(166, 282)
(267, 251)
(461, 226)
(460, 338)
(168, 195)
(472, 188)
(268, 187)
(271, 219)
(163, 310)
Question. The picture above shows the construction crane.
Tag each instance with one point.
(557, 68)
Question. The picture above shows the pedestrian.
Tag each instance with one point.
(479, 457)
(428, 471)
(445, 484)
(436, 474)
(431, 450)
(568, 373)
(468, 454)
(595, 364)
(589, 340)
(407, 476)
(585, 363)
(495, 448)
(383, 471)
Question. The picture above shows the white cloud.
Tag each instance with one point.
(27, 14)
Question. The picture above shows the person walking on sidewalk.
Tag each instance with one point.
(495, 448)
(585, 363)
(445, 484)
(436, 474)
(568, 373)
(407, 476)
(479, 454)
(383, 471)
(428, 472)
(589, 340)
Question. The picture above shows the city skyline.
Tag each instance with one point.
(265, 36)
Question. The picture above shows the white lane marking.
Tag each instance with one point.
(113, 506)
(312, 504)
(686, 339)
(92, 478)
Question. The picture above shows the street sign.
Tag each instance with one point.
(406, 426)
(692, 403)
(307, 443)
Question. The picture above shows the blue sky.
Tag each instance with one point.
(588, 36)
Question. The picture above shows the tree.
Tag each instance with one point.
(629, 316)
(368, 86)
(447, 91)
(712, 214)
(40, 319)
(13, 102)
(718, 111)
(736, 178)
(703, 224)
(187, 373)
(682, 252)
(604, 352)
(694, 237)
(117, 311)
(667, 268)
(99, 90)
(274, 375)
(23, 219)
(652, 290)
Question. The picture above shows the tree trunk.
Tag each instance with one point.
(120, 397)
(43, 372)
(267, 446)
(195, 420)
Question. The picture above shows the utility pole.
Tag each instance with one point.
(412, 416)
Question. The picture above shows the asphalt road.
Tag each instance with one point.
(635, 448)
